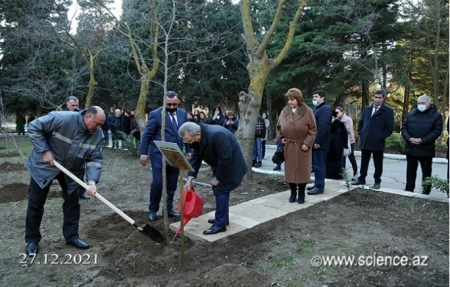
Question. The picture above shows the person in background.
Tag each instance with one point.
(116, 127)
(260, 131)
(190, 117)
(105, 129)
(217, 117)
(203, 118)
(338, 141)
(348, 122)
(279, 144)
(72, 104)
(20, 124)
(231, 123)
(296, 129)
(322, 114)
(134, 127)
(376, 124)
(265, 117)
(421, 128)
(196, 115)
(82, 154)
(220, 149)
(125, 121)
(174, 118)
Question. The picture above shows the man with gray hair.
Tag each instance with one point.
(421, 128)
(72, 104)
(219, 148)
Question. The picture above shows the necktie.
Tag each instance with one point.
(174, 122)
(375, 110)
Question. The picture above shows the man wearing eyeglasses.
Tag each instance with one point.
(175, 117)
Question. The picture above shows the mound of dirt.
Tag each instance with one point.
(13, 192)
(9, 167)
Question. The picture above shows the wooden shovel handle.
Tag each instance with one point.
(97, 195)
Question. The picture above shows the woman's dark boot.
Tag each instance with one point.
(301, 193)
(293, 188)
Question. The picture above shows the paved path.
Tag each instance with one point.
(257, 211)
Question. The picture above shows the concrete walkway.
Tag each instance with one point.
(257, 211)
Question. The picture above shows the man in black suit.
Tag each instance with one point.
(375, 125)
(219, 148)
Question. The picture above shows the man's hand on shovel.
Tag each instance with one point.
(93, 188)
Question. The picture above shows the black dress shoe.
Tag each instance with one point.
(212, 221)
(311, 187)
(173, 214)
(214, 229)
(358, 182)
(32, 248)
(315, 191)
(78, 243)
(277, 168)
(152, 216)
(84, 196)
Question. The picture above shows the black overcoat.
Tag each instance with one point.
(373, 130)
(220, 149)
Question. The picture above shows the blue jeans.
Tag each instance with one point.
(319, 161)
(257, 151)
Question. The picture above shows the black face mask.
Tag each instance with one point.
(171, 110)
(194, 145)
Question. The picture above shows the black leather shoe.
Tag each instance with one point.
(212, 221)
(311, 187)
(214, 230)
(358, 182)
(32, 248)
(258, 164)
(376, 186)
(315, 191)
(84, 196)
(78, 243)
(173, 214)
(277, 168)
(152, 216)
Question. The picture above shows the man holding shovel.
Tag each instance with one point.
(74, 140)
(219, 148)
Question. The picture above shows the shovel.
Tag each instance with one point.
(146, 229)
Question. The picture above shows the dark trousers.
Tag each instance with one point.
(319, 162)
(156, 187)
(352, 159)
(263, 148)
(222, 210)
(412, 162)
(377, 162)
(35, 211)
(106, 136)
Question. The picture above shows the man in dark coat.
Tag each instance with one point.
(219, 148)
(375, 125)
(322, 114)
(421, 128)
(174, 117)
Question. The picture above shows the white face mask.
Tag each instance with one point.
(314, 103)
(421, 108)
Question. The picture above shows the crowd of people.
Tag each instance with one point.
(313, 141)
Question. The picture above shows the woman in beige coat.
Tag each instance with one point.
(296, 128)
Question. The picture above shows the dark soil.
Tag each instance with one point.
(277, 253)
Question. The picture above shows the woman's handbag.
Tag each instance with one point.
(278, 156)
(348, 151)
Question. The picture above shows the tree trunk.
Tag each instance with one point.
(365, 94)
(405, 104)
(249, 105)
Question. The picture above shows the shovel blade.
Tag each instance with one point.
(153, 233)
